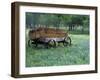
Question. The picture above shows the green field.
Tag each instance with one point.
(77, 53)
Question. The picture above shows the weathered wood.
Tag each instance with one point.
(47, 33)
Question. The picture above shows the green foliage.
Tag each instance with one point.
(57, 20)
(76, 54)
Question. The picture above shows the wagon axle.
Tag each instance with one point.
(49, 43)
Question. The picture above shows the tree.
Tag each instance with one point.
(72, 21)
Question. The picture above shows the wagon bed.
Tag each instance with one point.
(49, 35)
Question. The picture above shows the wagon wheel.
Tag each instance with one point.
(32, 43)
(51, 43)
(67, 41)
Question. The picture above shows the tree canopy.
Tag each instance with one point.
(71, 21)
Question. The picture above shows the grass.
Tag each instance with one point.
(76, 54)
(79, 32)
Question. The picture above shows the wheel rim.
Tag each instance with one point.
(31, 43)
(52, 43)
(67, 41)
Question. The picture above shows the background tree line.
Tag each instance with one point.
(70, 22)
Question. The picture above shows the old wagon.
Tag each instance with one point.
(49, 37)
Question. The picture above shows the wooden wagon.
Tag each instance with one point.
(49, 37)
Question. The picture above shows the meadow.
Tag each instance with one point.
(76, 54)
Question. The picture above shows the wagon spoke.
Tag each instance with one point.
(67, 41)
(52, 43)
(31, 43)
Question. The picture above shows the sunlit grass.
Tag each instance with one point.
(76, 54)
